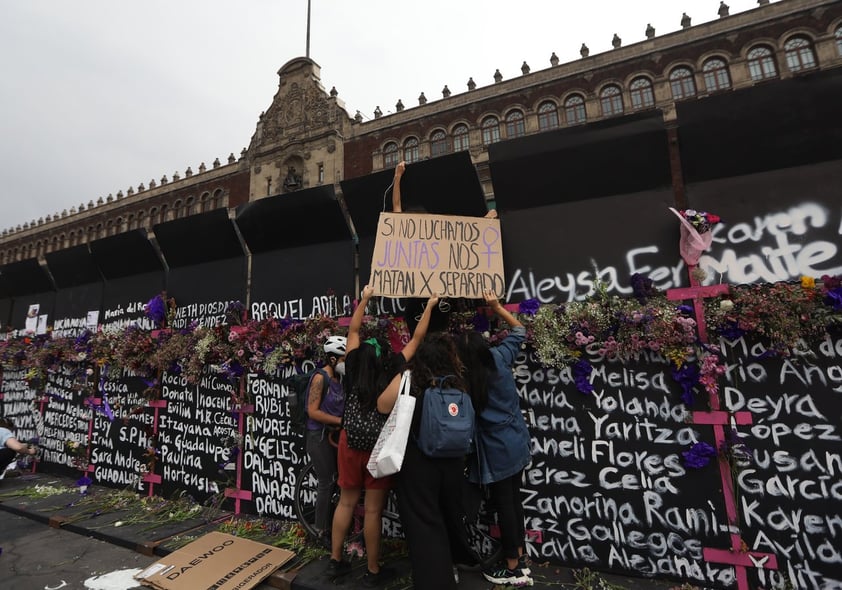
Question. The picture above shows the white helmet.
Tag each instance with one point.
(336, 345)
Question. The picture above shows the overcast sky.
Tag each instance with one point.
(102, 95)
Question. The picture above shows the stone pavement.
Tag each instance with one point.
(57, 541)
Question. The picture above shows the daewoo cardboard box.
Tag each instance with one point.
(216, 561)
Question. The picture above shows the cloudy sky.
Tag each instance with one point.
(102, 95)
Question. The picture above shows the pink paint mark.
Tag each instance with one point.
(742, 559)
(721, 417)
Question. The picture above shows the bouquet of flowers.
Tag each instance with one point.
(696, 236)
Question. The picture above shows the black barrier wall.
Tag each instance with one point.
(607, 487)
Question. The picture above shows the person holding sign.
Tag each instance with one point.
(371, 365)
(325, 405)
(430, 489)
(503, 440)
(10, 447)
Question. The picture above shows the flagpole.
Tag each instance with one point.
(308, 29)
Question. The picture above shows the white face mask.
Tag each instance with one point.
(340, 368)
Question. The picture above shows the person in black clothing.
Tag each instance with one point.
(370, 366)
(430, 490)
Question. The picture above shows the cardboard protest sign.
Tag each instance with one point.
(216, 561)
(418, 255)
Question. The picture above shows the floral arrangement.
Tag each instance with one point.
(700, 220)
(77, 453)
(785, 316)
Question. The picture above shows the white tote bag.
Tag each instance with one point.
(387, 456)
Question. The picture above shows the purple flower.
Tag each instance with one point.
(480, 322)
(699, 455)
(581, 376)
(731, 331)
(686, 309)
(643, 287)
(834, 298)
(529, 306)
(688, 377)
(156, 310)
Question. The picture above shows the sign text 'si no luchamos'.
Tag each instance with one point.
(418, 255)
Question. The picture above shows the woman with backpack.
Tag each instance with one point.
(503, 440)
(371, 365)
(430, 488)
(325, 405)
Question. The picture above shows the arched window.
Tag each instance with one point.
(438, 143)
(410, 150)
(839, 39)
(219, 199)
(490, 130)
(682, 83)
(176, 209)
(131, 224)
(390, 155)
(205, 204)
(716, 74)
(642, 96)
(461, 138)
(153, 216)
(761, 63)
(799, 54)
(574, 110)
(547, 116)
(141, 219)
(514, 124)
(611, 100)
(191, 206)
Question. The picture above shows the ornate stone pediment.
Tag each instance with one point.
(301, 109)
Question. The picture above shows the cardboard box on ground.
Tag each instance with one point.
(216, 561)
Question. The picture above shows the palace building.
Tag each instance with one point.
(306, 138)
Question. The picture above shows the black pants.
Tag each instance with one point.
(6, 456)
(506, 497)
(323, 456)
(432, 515)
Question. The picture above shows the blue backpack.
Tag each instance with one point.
(446, 429)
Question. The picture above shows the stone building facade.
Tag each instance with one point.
(306, 138)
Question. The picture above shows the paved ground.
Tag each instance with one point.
(56, 542)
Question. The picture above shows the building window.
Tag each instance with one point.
(574, 110)
(547, 116)
(438, 143)
(761, 64)
(642, 96)
(461, 139)
(799, 54)
(839, 39)
(611, 101)
(390, 155)
(490, 130)
(514, 124)
(682, 83)
(716, 75)
(410, 150)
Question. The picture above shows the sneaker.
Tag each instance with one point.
(337, 569)
(504, 576)
(523, 564)
(324, 541)
(384, 575)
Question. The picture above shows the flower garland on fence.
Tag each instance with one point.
(785, 317)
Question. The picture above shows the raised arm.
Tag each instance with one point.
(386, 400)
(357, 320)
(495, 305)
(421, 329)
(396, 188)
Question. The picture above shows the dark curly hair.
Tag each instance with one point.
(437, 357)
(475, 353)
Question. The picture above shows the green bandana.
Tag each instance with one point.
(375, 344)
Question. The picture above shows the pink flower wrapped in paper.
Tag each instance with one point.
(696, 235)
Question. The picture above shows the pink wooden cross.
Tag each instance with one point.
(736, 556)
